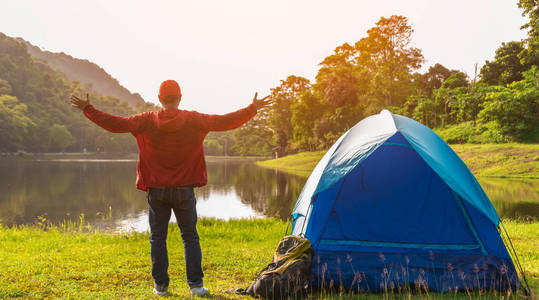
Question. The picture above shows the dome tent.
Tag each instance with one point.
(392, 204)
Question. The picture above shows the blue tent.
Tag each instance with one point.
(391, 204)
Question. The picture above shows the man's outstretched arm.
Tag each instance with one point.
(108, 122)
(234, 119)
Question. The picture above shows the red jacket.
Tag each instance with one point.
(170, 142)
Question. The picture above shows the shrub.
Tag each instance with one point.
(468, 132)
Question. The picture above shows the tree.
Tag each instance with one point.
(280, 118)
(225, 141)
(515, 108)
(445, 104)
(387, 54)
(422, 109)
(5, 87)
(39, 102)
(325, 131)
(506, 66)
(59, 138)
(14, 123)
(305, 112)
(432, 79)
(336, 80)
(530, 55)
(339, 85)
(255, 136)
(469, 102)
(212, 147)
(531, 9)
(456, 80)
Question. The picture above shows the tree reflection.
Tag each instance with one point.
(269, 192)
(64, 190)
(513, 198)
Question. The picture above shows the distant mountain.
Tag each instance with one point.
(85, 72)
(35, 114)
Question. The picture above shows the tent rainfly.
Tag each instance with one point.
(392, 205)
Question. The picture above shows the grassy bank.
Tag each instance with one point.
(299, 164)
(488, 160)
(55, 263)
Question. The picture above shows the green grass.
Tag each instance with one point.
(299, 164)
(485, 160)
(51, 262)
(525, 238)
(501, 160)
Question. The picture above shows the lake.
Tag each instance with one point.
(104, 192)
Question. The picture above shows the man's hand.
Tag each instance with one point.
(259, 103)
(78, 102)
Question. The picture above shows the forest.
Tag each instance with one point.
(35, 115)
(380, 71)
(499, 104)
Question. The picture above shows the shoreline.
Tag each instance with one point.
(102, 156)
(510, 160)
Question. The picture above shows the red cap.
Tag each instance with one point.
(168, 88)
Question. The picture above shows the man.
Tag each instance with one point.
(171, 163)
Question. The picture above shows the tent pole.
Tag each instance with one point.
(305, 219)
(287, 224)
(527, 288)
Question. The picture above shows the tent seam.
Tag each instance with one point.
(332, 208)
(470, 224)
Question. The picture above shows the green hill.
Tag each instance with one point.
(35, 114)
(85, 72)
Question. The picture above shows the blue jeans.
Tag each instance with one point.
(182, 201)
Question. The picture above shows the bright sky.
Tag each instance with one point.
(221, 52)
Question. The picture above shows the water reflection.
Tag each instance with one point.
(237, 188)
(63, 190)
(513, 198)
(218, 205)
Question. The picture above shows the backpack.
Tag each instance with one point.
(288, 274)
